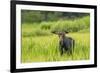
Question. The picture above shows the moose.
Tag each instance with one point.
(66, 44)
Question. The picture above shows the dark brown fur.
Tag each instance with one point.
(66, 44)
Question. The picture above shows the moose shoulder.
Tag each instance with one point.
(66, 44)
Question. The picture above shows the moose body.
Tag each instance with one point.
(66, 44)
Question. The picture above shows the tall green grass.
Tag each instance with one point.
(46, 48)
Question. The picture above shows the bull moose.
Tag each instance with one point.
(66, 44)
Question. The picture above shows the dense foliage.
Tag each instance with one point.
(30, 16)
(45, 28)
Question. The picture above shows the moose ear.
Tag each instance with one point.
(54, 32)
(66, 32)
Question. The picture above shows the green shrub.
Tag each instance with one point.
(72, 25)
(40, 32)
(45, 25)
(45, 28)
